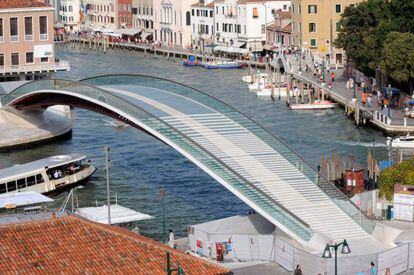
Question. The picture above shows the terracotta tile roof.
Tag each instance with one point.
(12, 4)
(71, 245)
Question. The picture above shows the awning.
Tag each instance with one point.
(129, 32)
(145, 35)
(238, 44)
(13, 200)
(231, 50)
(255, 46)
(119, 214)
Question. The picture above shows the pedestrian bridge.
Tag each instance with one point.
(241, 155)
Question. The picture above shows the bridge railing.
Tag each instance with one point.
(328, 188)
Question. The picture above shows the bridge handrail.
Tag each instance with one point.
(106, 96)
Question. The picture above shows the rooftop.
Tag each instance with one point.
(73, 245)
(13, 4)
(22, 199)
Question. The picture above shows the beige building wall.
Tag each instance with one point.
(26, 43)
(318, 37)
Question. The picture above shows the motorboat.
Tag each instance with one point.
(226, 64)
(191, 61)
(401, 142)
(47, 176)
(316, 105)
(250, 79)
(267, 92)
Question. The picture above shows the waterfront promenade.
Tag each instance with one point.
(396, 123)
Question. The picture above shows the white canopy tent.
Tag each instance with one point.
(231, 50)
(128, 32)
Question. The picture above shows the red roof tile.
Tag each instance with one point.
(12, 4)
(69, 245)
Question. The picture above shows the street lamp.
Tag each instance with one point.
(327, 252)
(162, 195)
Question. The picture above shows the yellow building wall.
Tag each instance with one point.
(326, 19)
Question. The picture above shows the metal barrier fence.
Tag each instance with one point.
(255, 247)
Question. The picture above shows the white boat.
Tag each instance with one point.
(46, 176)
(316, 105)
(248, 78)
(116, 123)
(267, 92)
(401, 142)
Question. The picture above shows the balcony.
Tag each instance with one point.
(14, 38)
(28, 37)
(43, 37)
(50, 67)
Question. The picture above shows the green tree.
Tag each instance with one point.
(402, 173)
(359, 35)
(398, 57)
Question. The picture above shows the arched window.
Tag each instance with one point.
(188, 18)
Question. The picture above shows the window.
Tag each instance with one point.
(255, 13)
(312, 27)
(43, 27)
(21, 183)
(284, 7)
(188, 18)
(299, 9)
(11, 186)
(3, 188)
(70, 9)
(293, 8)
(192, 12)
(338, 8)
(217, 27)
(1, 59)
(216, 10)
(222, 10)
(313, 43)
(14, 31)
(338, 26)
(39, 178)
(198, 12)
(263, 28)
(44, 59)
(29, 58)
(28, 28)
(31, 181)
(15, 59)
(312, 9)
(1, 30)
(211, 13)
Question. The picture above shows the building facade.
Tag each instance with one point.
(243, 23)
(27, 41)
(202, 19)
(143, 15)
(315, 25)
(172, 22)
(69, 14)
(101, 14)
(279, 33)
(124, 13)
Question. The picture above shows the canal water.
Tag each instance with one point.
(140, 165)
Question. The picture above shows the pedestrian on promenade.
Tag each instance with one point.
(363, 85)
(364, 98)
(372, 269)
(369, 99)
(330, 84)
(347, 85)
(171, 239)
(298, 270)
(387, 271)
(333, 77)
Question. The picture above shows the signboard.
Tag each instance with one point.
(403, 207)
(43, 51)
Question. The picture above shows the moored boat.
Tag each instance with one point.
(250, 79)
(223, 65)
(47, 176)
(316, 105)
(191, 61)
(267, 92)
(401, 142)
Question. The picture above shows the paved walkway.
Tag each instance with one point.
(340, 93)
